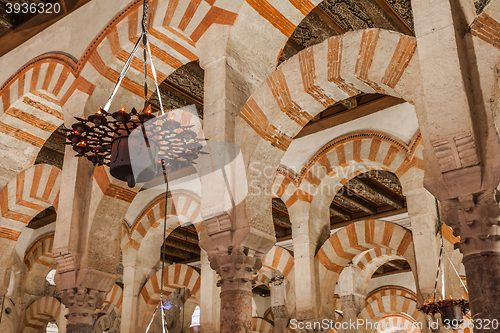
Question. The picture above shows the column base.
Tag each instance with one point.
(483, 278)
(236, 311)
(79, 328)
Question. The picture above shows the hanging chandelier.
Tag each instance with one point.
(451, 310)
(136, 144)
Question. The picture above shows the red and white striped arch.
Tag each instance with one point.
(39, 261)
(40, 312)
(182, 204)
(175, 277)
(262, 279)
(174, 28)
(365, 61)
(344, 245)
(31, 108)
(278, 259)
(40, 253)
(270, 23)
(29, 193)
(344, 158)
(390, 290)
(389, 305)
(115, 296)
(370, 261)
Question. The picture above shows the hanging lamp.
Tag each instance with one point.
(451, 310)
(134, 144)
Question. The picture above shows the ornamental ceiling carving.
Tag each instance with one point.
(183, 87)
(333, 17)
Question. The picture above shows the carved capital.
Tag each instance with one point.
(81, 303)
(475, 219)
(279, 312)
(235, 268)
(352, 302)
(278, 279)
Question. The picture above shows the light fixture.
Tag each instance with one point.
(135, 145)
(451, 310)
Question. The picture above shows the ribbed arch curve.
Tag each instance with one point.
(278, 259)
(175, 277)
(343, 158)
(31, 108)
(364, 61)
(390, 305)
(39, 261)
(40, 312)
(109, 320)
(262, 279)
(114, 296)
(174, 27)
(345, 244)
(390, 290)
(281, 260)
(145, 235)
(369, 261)
(25, 196)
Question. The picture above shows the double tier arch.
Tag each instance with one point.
(365, 61)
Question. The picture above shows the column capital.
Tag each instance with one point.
(474, 217)
(81, 303)
(235, 268)
(352, 302)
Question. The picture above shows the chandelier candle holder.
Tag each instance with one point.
(135, 145)
(451, 310)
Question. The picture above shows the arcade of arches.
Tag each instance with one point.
(363, 129)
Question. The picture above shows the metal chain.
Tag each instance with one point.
(440, 253)
(165, 175)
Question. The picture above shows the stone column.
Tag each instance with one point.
(210, 297)
(82, 289)
(278, 305)
(475, 219)
(422, 213)
(130, 303)
(307, 236)
(236, 268)
(234, 246)
(351, 299)
(351, 307)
